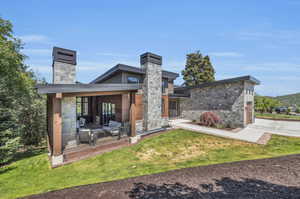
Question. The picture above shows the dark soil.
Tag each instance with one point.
(265, 178)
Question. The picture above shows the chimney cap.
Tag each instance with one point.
(64, 55)
(150, 57)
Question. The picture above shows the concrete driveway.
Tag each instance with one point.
(257, 132)
(286, 128)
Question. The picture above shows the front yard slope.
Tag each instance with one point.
(171, 150)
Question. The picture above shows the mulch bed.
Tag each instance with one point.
(265, 178)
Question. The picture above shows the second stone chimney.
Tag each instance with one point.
(152, 90)
(64, 66)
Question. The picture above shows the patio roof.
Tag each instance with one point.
(84, 88)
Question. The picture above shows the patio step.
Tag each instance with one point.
(83, 153)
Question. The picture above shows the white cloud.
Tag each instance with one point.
(275, 89)
(273, 67)
(37, 52)
(112, 54)
(41, 68)
(34, 38)
(283, 37)
(226, 54)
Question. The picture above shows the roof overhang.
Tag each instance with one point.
(85, 88)
(247, 78)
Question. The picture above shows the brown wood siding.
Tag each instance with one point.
(125, 107)
(57, 128)
(50, 123)
(165, 112)
(139, 108)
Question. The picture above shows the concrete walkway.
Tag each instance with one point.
(286, 128)
(252, 133)
(247, 134)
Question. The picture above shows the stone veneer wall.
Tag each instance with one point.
(64, 73)
(139, 125)
(226, 100)
(68, 109)
(152, 92)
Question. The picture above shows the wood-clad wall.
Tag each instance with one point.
(50, 123)
(165, 112)
(139, 108)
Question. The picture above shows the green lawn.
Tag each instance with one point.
(172, 150)
(277, 116)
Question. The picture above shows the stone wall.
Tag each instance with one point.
(68, 109)
(226, 100)
(64, 73)
(139, 126)
(152, 93)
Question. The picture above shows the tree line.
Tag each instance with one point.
(22, 109)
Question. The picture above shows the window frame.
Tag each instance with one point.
(131, 81)
(83, 102)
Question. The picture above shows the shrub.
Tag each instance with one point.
(210, 119)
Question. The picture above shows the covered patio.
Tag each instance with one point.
(88, 118)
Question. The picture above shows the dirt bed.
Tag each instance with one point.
(265, 178)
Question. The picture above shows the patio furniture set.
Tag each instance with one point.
(91, 133)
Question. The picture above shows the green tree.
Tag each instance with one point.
(198, 70)
(22, 110)
(266, 104)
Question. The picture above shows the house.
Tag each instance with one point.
(142, 99)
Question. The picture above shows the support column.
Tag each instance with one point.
(134, 138)
(57, 128)
(132, 121)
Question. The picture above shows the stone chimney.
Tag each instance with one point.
(64, 72)
(152, 90)
(64, 66)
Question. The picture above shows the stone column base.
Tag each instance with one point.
(134, 139)
(57, 160)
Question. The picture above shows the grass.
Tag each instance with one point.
(173, 150)
(277, 116)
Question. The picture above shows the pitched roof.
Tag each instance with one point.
(224, 81)
(132, 69)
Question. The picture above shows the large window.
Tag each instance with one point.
(82, 106)
(133, 80)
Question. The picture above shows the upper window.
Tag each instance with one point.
(133, 80)
(164, 85)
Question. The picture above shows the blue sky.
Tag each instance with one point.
(259, 38)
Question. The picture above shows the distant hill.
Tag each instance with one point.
(290, 99)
